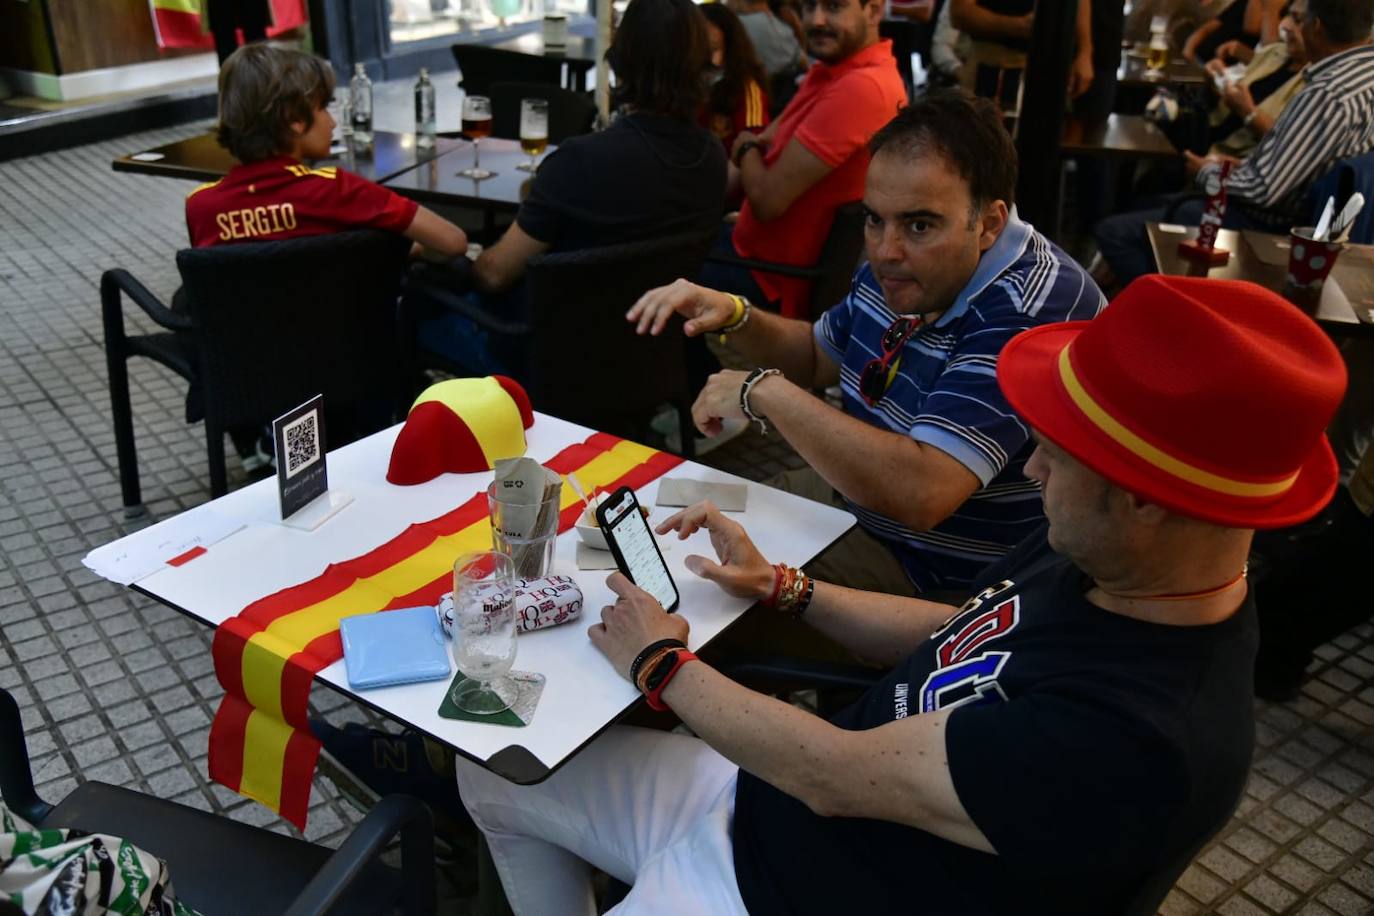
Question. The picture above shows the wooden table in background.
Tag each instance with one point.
(203, 159)
(1347, 298)
(1120, 136)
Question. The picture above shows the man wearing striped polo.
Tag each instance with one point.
(926, 451)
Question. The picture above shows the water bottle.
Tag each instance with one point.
(425, 128)
(360, 93)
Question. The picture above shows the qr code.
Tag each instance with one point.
(302, 443)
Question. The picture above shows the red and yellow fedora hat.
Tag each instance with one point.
(1208, 397)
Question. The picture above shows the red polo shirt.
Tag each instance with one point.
(834, 113)
(281, 198)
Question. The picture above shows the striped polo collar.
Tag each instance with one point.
(1005, 252)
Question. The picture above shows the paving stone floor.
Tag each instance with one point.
(115, 687)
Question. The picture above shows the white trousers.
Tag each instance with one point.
(650, 808)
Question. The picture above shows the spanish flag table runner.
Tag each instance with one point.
(267, 655)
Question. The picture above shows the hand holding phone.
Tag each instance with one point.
(634, 548)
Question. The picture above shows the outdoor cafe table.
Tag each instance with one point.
(582, 696)
(1347, 300)
(201, 158)
(1134, 87)
(438, 182)
(578, 54)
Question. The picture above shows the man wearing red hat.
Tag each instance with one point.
(1064, 742)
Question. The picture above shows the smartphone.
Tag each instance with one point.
(634, 548)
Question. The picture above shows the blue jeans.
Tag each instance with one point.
(461, 341)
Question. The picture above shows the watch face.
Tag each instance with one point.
(665, 664)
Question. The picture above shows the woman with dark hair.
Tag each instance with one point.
(653, 172)
(737, 101)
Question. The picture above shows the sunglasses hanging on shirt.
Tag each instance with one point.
(878, 374)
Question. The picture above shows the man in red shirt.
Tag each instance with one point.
(272, 116)
(813, 158)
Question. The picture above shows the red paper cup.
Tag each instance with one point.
(1309, 261)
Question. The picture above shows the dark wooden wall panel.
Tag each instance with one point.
(92, 34)
(24, 43)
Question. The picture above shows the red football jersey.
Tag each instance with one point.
(750, 114)
(282, 198)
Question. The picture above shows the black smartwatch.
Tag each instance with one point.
(661, 670)
(744, 149)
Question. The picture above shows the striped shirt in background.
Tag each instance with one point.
(945, 394)
(1330, 119)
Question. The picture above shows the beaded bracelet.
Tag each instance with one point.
(750, 380)
(739, 318)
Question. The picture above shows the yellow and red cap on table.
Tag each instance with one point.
(461, 426)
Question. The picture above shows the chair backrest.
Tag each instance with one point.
(1359, 171)
(839, 257)
(279, 322)
(903, 34)
(587, 364)
(570, 113)
(484, 66)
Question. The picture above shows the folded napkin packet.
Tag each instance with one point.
(404, 646)
(539, 603)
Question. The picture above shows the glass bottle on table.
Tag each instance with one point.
(476, 125)
(360, 97)
(484, 633)
(534, 131)
(425, 123)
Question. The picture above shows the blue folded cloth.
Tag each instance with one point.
(403, 646)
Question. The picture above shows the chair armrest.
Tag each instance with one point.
(770, 267)
(456, 302)
(1171, 210)
(393, 814)
(16, 776)
(801, 672)
(114, 282)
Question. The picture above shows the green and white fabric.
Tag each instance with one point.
(73, 873)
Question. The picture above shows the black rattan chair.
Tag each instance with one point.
(585, 362)
(224, 868)
(483, 66)
(268, 326)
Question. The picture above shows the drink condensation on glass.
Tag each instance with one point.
(534, 131)
(484, 631)
(476, 125)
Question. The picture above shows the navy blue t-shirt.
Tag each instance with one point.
(1089, 748)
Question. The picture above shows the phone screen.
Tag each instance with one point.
(638, 551)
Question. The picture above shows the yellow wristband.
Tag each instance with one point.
(737, 318)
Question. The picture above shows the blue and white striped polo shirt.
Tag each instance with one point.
(945, 394)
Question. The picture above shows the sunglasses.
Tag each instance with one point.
(878, 374)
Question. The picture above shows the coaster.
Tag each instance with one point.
(530, 687)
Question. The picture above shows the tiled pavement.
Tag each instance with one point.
(117, 688)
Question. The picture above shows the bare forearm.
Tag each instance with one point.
(773, 341)
(779, 743)
(883, 629)
(890, 480)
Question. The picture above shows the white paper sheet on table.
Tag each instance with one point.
(130, 559)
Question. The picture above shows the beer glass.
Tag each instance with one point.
(476, 125)
(484, 631)
(534, 131)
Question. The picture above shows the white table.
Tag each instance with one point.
(582, 695)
